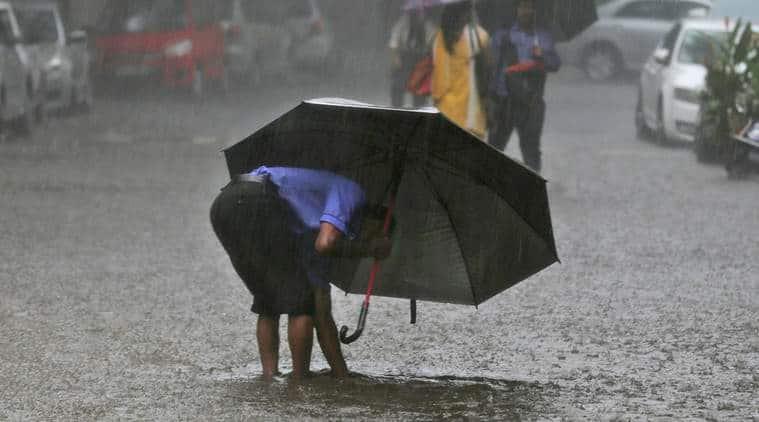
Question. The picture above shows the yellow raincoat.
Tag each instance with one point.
(454, 88)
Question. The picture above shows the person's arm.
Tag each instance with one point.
(332, 242)
(548, 55)
(528, 66)
(441, 82)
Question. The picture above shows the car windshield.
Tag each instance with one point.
(746, 9)
(701, 47)
(145, 15)
(277, 11)
(39, 25)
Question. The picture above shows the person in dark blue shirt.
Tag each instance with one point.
(281, 227)
(524, 54)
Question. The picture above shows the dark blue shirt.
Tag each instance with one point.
(523, 43)
(316, 197)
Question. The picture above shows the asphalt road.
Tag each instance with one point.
(117, 302)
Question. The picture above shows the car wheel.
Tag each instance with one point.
(198, 83)
(40, 107)
(84, 100)
(223, 82)
(602, 63)
(642, 131)
(705, 152)
(3, 121)
(26, 121)
(660, 133)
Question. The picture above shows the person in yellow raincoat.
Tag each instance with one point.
(454, 88)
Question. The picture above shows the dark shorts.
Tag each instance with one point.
(254, 225)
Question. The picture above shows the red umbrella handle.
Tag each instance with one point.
(344, 337)
(376, 265)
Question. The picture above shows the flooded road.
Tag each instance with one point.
(119, 303)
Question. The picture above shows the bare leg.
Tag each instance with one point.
(300, 335)
(326, 332)
(267, 333)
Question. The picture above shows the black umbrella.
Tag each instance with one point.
(471, 222)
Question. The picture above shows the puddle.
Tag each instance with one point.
(389, 396)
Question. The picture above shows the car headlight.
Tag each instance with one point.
(688, 95)
(178, 49)
(54, 64)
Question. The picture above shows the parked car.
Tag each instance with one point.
(673, 79)
(178, 42)
(21, 101)
(65, 58)
(266, 38)
(625, 34)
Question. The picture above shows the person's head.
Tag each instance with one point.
(526, 13)
(452, 22)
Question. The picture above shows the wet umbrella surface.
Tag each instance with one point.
(118, 303)
(471, 221)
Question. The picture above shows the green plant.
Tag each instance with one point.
(734, 71)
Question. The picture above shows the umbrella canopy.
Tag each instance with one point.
(470, 221)
(565, 18)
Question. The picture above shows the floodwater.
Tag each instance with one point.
(119, 303)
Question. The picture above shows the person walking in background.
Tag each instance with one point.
(454, 84)
(524, 54)
(410, 41)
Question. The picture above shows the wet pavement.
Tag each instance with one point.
(118, 302)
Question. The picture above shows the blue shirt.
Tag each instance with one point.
(523, 43)
(317, 196)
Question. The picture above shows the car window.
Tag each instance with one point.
(646, 9)
(262, 11)
(701, 47)
(38, 25)
(125, 16)
(6, 28)
(670, 38)
(297, 8)
(143, 15)
(207, 12)
(226, 9)
(274, 12)
(167, 15)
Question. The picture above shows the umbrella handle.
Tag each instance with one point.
(348, 339)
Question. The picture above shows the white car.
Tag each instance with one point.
(265, 38)
(65, 57)
(21, 99)
(625, 34)
(673, 79)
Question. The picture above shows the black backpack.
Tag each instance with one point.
(524, 88)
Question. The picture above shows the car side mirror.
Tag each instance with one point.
(77, 37)
(661, 55)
